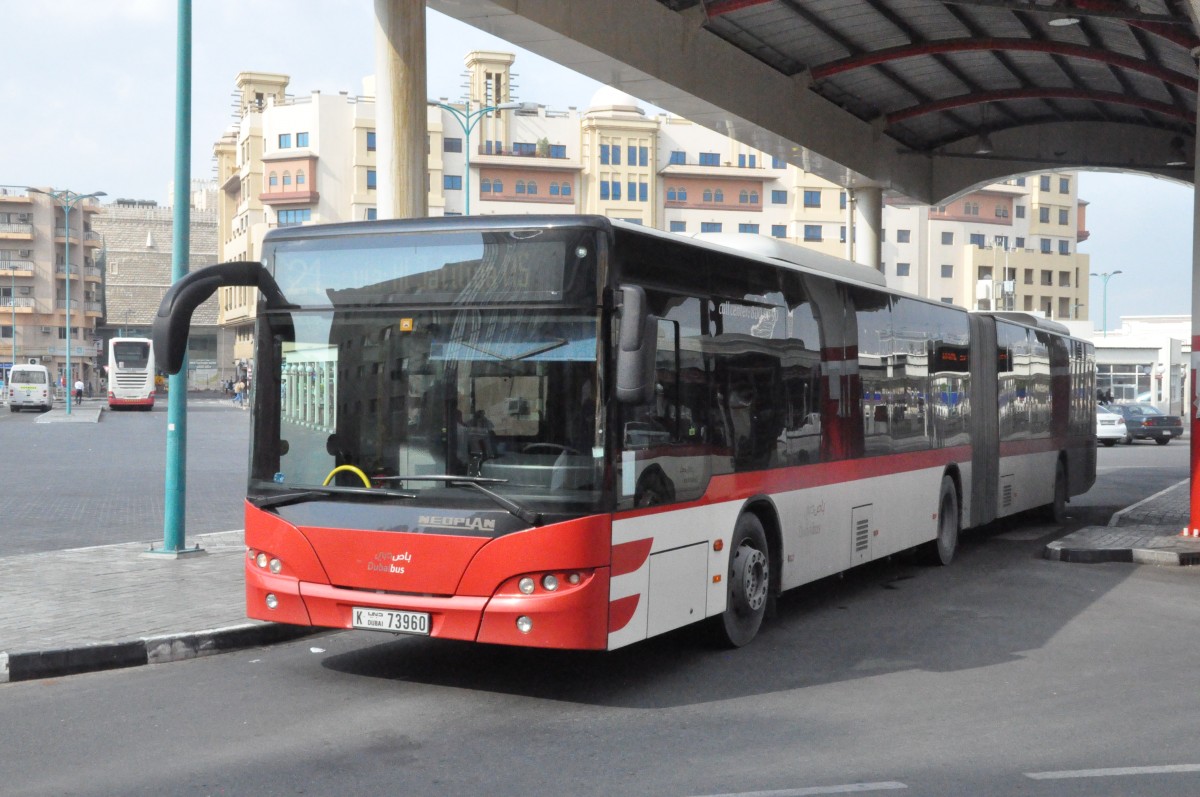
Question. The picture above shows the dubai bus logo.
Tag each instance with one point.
(388, 562)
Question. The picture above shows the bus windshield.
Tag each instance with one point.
(131, 354)
(377, 393)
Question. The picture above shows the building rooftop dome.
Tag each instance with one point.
(614, 100)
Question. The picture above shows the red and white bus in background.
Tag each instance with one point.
(130, 373)
(571, 432)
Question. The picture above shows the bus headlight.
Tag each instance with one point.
(550, 582)
(524, 624)
(261, 559)
(526, 585)
(272, 601)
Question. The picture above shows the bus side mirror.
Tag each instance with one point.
(636, 347)
(174, 318)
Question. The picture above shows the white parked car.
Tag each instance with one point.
(1110, 426)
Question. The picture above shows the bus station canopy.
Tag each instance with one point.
(923, 98)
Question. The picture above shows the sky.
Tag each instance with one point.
(88, 90)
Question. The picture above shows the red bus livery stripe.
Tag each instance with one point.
(628, 557)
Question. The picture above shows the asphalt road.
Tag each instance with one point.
(70, 485)
(1004, 674)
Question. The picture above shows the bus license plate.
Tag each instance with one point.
(389, 620)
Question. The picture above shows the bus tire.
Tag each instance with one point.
(941, 549)
(748, 584)
(1056, 510)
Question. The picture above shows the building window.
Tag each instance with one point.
(710, 159)
(779, 197)
(1044, 215)
(1063, 215)
(285, 140)
(1044, 182)
(604, 154)
(812, 232)
(631, 154)
(452, 145)
(947, 270)
(671, 194)
(971, 208)
(903, 236)
(643, 192)
(750, 228)
(679, 226)
(683, 194)
(370, 141)
(553, 188)
(779, 230)
(1047, 277)
(1019, 243)
(842, 234)
(678, 157)
(524, 149)
(288, 218)
(485, 186)
(1046, 246)
(631, 187)
(273, 180)
(978, 240)
(902, 269)
(370, 178)
(372, 214)
(812, 199)
(948, 239)
(1064, 248)
(1064, 185)
(300, 177)
(744, 197)
(778, 163)
(558, 150)
(287, 179)
(451, 182)
(615, 153)
(1001, 212)
(718, 195)
(708, 195)
(566, 189)
(710, 226)
(302, 139)
(531, 188)
(753, 197)
(603, 189)
(947, 300)
(520, 186)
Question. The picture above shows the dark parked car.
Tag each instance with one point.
(1147, 421)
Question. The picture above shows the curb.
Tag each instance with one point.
(148, 650)
(1179, 553)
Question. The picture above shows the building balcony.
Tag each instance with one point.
(524, 158)
(16, 268)
(61, 304)
(20, 304)
(14, 196)
(289, 197)
(724, 171)
(93, 308)
(16, 231)
(92, 274)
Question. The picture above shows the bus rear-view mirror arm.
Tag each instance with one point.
(636, 348)
(174, 318)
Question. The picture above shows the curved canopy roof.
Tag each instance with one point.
(922, 97)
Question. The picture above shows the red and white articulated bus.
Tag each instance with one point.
(571, 432)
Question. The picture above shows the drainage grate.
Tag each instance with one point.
(1186, 559)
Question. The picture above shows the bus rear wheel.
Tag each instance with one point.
(748, 584)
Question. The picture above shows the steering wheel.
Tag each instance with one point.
(552, 447)
(350, 469)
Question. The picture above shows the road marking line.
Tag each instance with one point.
(848, 788)
(1113, 772)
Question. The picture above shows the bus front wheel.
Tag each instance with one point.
(940, 550)
(748, 584)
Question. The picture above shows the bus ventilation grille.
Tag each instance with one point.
(862, 535)
(1186, 559)
(1006, 496)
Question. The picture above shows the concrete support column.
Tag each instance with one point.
(868, 222)
(1192, 408)
(400, 109)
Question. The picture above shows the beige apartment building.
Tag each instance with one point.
(311, 159)
(34, 279)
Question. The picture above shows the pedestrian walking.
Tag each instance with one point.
(238, 390)
(78, 392)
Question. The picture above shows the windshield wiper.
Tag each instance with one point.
(476, 483)
(311, 493)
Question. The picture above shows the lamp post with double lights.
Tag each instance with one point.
(467, 120)
(1106, 276)
(69, 199)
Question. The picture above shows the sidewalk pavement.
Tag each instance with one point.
(1148, 532)
(110, 606)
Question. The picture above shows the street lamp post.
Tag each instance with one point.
(467, 120)
(1106, 276)
(69, 199)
